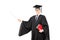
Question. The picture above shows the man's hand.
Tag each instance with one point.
(19, 20)
(41, 31)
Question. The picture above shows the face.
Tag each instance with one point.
(37, 11)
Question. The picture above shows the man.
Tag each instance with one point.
(37, 24)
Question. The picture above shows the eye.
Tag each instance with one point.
(36, 10)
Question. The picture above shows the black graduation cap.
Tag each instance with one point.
(37, 6)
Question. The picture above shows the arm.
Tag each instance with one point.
(45, 27)
(25, 27)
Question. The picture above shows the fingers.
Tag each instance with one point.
(19, 20)
(41, 31)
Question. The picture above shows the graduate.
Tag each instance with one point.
(37, 24)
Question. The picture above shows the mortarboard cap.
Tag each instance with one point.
(37, 6)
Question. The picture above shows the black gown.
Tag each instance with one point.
(30, 25)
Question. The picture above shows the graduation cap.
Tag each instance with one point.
(37, 6)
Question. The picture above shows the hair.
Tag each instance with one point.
(37, 8)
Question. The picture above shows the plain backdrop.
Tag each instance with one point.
(11, 10)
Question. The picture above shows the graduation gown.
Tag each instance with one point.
(31, 24)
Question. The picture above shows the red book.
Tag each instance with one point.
(39, 27)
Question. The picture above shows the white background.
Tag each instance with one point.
(11, 10)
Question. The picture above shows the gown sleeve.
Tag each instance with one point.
(46, 28)
(25, 27)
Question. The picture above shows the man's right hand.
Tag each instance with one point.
(19, 20)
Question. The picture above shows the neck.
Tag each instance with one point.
(38, 14)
